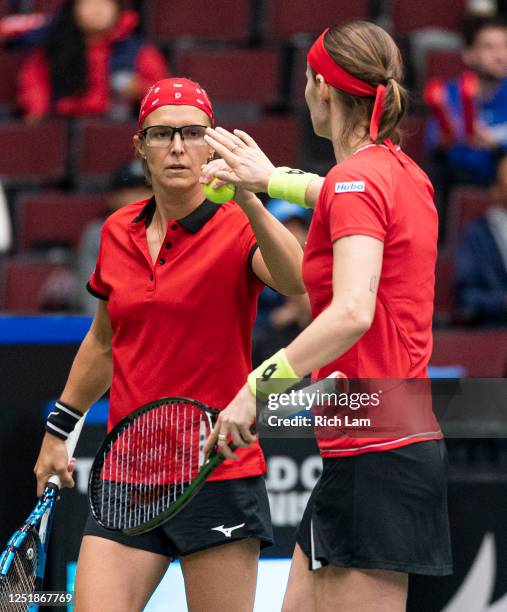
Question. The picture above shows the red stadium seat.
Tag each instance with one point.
(279, 137)
(219, 20)
(443, 64)
(466, 204)
(33, 153)
(234, 76)
(482, 353)
(444, 276)
(413, 138)
(46, 6)
(10, 62)
(103, 147)
(416, 15)
(53, 218)
(288, 17)
(298, 84)
(23, 280)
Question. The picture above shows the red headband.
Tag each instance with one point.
(175, 91)
(322, 63)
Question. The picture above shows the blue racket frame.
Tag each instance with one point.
(42, 516)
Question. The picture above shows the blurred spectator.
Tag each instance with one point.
(128, 184)
(481, 263)
(473, 159)
(90, 62)
(281, 318)
(5, 224)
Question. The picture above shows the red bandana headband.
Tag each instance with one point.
(175, 91)
(322, 63)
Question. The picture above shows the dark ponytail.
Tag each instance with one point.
(65, 47)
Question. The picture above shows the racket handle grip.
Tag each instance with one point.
(70, 444)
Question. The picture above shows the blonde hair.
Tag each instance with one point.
(368, 53)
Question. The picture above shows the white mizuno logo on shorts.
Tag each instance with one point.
(349, 186)
(227, 531)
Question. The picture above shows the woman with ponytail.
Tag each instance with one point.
(379, 511)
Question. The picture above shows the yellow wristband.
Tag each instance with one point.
(274, 375)
(290, 185)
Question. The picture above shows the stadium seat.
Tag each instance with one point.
(219, 20)
(409, 15)
(444, 276)
(234, 76)
(298, 74)
(46, 6)
(55, 219)
(103, 146)
(22, 283)
(278, 136)
(413, 138)
(289, 17)
(466, 204)
(33, 153)
(443, 64)
(482, 353)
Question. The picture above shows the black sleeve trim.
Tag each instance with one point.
(250, 265)
(90, 289)
(250, 256)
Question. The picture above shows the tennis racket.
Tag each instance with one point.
(23, 561)
(152, 463)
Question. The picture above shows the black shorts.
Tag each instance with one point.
(223, 511)
(382, 510)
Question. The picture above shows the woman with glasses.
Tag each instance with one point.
(379, 511)
(177, 279)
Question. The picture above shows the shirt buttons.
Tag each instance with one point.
(168, 245)
(161, 261)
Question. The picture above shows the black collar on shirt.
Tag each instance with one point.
(193, 222)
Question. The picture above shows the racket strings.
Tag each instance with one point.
(150, 464)
(22, 574)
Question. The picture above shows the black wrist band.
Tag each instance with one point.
(62, 420)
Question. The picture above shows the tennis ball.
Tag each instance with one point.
(220, 195)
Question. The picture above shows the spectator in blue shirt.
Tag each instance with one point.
(481, 262)
(485, 54)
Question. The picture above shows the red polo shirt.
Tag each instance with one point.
(181, 326)
(385, 195)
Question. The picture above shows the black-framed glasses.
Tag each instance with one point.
(161, 136)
